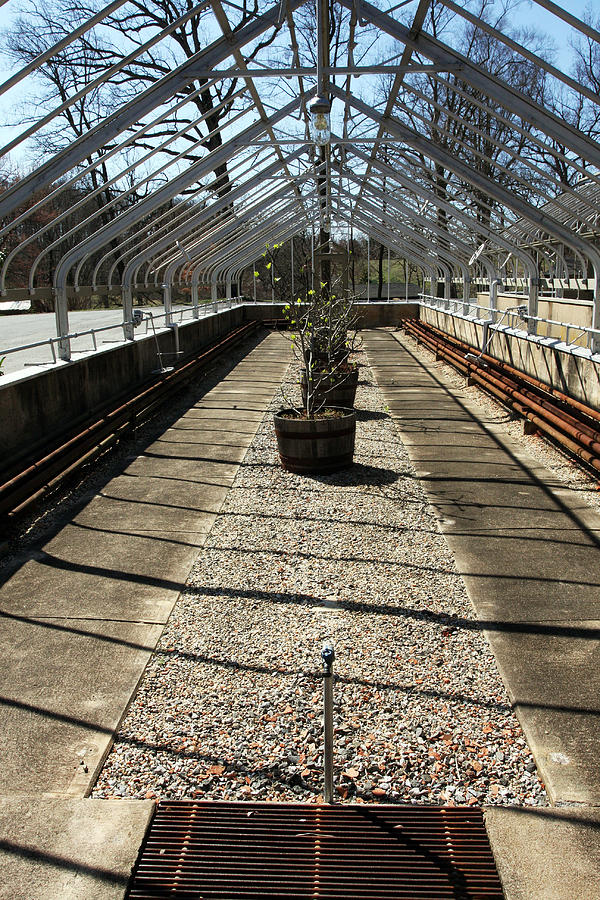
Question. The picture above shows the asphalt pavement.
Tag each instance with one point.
(17, 330)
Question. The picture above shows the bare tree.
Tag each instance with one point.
(469, 125)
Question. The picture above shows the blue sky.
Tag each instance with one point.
(537, 17)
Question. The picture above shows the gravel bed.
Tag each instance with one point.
(541, 448)
(230, 704)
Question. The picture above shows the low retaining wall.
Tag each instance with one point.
(43, 405)
(370, 315)
(575, 375)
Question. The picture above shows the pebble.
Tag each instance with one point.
(230, 705)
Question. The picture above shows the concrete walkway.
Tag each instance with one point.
(528, 550)
(80, 618)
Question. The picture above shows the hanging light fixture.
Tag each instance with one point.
(319, 110)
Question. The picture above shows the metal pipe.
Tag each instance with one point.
(558, 424)
(328, 657)
(26, 484)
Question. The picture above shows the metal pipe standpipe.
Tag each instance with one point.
(328, 657)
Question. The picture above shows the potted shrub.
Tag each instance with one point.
(318, 436)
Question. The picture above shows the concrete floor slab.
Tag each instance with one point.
(202, 498)
(143, 515)
(56, 849)
(252, 412)
(100, 573)
(217, 431)
(217, 412)
(216, 459)
(211, 474)
(547, 667)
(546, 854)
(58, 716)
(529, 559)
(195, 429)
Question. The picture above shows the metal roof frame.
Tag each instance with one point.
(280, 184)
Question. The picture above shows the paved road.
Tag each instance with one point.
(18, 330)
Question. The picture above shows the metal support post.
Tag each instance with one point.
(466, 295)
(328, 657)
(494, 284)
(167, 298)
(485, 340)
(127, 298)
(388, 274)
(174, 326)
(532, 306)
(594, 338)
(447, 291)
(62, 323)
(195, 311)
(368, 268)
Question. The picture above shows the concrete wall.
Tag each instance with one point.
(44, 404)
(574, 375)
(575, 312)
(370, 315)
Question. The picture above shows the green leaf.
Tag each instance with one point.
(255, 274)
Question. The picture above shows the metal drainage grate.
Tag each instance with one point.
(271, 850)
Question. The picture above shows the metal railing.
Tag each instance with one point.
(575, 336)
(140, 317)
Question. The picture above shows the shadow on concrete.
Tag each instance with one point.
(531, 475)
(47, 559)
(560, 814)
(63, 862)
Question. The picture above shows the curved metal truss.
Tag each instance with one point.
(182, 178)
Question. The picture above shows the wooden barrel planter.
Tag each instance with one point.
(336, 390)
(316, 446)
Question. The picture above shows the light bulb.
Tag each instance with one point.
(320, 120)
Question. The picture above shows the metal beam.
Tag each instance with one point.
(133, 111)
(167, 192)
(510, 98)
(471, 176)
